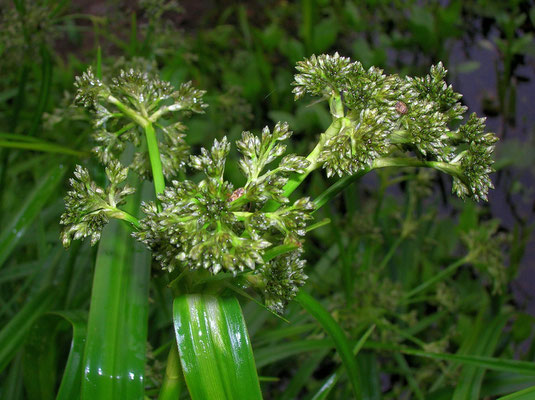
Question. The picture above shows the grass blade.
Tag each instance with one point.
(492, 363)
(13, 335)
(114, 357)
(69, 388)
(338, 336)
(526, 394)
(469, 384)
(270, 354)
(329, 383)
(215, 351)
(45, 147)
(29, 210)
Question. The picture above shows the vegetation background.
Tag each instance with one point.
(392, 234)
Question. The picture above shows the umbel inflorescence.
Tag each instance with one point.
(254, 230)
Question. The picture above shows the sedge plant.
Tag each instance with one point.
(217, 238)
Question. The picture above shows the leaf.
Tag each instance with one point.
(33, 205)
(215, 351)
(492, 363)
(271, 354)
(13, 334)
(331, 381)
(114, 357)
(485, 342)
(69, 388)
(526, 394)
(334, 330)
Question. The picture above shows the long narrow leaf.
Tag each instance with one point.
(33, 205)
(469, 385)
(69, 388)
(329, 383)
(526, 394)
(42, 146)
(12, 335)
(271, 354)
(492, 363)
(215, 351)
(338, 336)
(114, 358)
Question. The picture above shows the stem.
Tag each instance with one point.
(437, 278)
(155, 162)
(152, 144)
(173, 381)
(296, 179)
(341, 184)
(120, 214)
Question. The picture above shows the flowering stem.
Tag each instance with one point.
(155, 162)
(152, 144)
(341, 184)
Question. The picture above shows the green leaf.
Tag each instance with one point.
(492, 363)
(271, 354)
(330, 382)
(114, 358)
(43, 146)
(526, 394)
(13, 335)
(215, 351)
(341, 343)
(469, 384)
(69, 388)
(33, 205)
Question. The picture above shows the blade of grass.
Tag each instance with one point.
(331, 381)
(492, 363)
(33, 205)
(12, 385)
(44, 90)
(526, 394)
(342, 345)
(71, 381)
(13, 334)
(114, 356)
(469, 385)
(42, 146)
(215, 351)
(302, 376)
(39, 359)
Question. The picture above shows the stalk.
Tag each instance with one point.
(152, 145)
(173, 383)
(296, 179)
(155, 162)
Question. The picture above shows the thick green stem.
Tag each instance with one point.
(173, 382)
(120, 214)
(341, 184)
(152, 144)
(155, 161)
(296, 179)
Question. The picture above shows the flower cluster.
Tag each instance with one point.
(125, 106)
(384, 115)
(211, 225)
(88, 207)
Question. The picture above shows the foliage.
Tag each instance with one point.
(416, 284)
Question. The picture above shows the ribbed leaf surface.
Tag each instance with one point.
(215, 351)
(114, 359)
